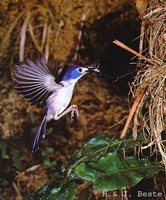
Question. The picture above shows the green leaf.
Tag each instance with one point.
(47, 151)
(49, 163)
(3, 149)
(16, 158)
(32, 118)
(115, 172)
(57, 189)
(105, 143)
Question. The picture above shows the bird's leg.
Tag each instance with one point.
(74, 112)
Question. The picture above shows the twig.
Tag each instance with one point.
(34, 38)
(145, 20)
(47, 46)
(79, 38)
(23, 36)
(120, 44)
(120, 77)
(85, 186)
(6, 38)
(33, 168)
(131, 113)
(136, 102)
(44, 35)
(19, 197)
(110, 127)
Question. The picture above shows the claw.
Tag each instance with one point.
(74, 113)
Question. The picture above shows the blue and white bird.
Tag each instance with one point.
(40, 85)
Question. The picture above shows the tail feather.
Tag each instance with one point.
(41, 132)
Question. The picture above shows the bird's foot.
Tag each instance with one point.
(74, 112)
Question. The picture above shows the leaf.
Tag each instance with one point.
(115, 172)
(32, 118)
(15, 158)
(48, 163)
(100, 162)
(47, 151)
(7, 149)
(57, 189)
(3, 149)
(105, 143)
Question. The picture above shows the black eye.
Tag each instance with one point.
(80, 69)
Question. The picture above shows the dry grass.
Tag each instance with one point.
(47, 27)
(149, 87)
(30, 179)
(150, 115)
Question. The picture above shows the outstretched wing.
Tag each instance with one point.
(35, 81)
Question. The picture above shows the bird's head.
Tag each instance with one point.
(75, 72)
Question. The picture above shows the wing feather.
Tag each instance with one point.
(31, 90)
(35, 81)
(29, 68)
(29, 71)
(35, 94)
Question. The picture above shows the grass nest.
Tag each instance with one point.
(149, 86)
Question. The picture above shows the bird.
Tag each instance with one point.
(49, 87)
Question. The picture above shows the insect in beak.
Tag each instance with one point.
(94, 70)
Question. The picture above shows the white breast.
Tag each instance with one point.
(59, 100)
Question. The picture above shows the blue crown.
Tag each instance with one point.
(74, 72)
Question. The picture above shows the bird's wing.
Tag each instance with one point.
(35, 81)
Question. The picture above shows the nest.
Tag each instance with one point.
(149, 87)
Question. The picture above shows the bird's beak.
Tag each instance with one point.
(93, 70)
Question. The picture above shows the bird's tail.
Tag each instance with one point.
(41, 132)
